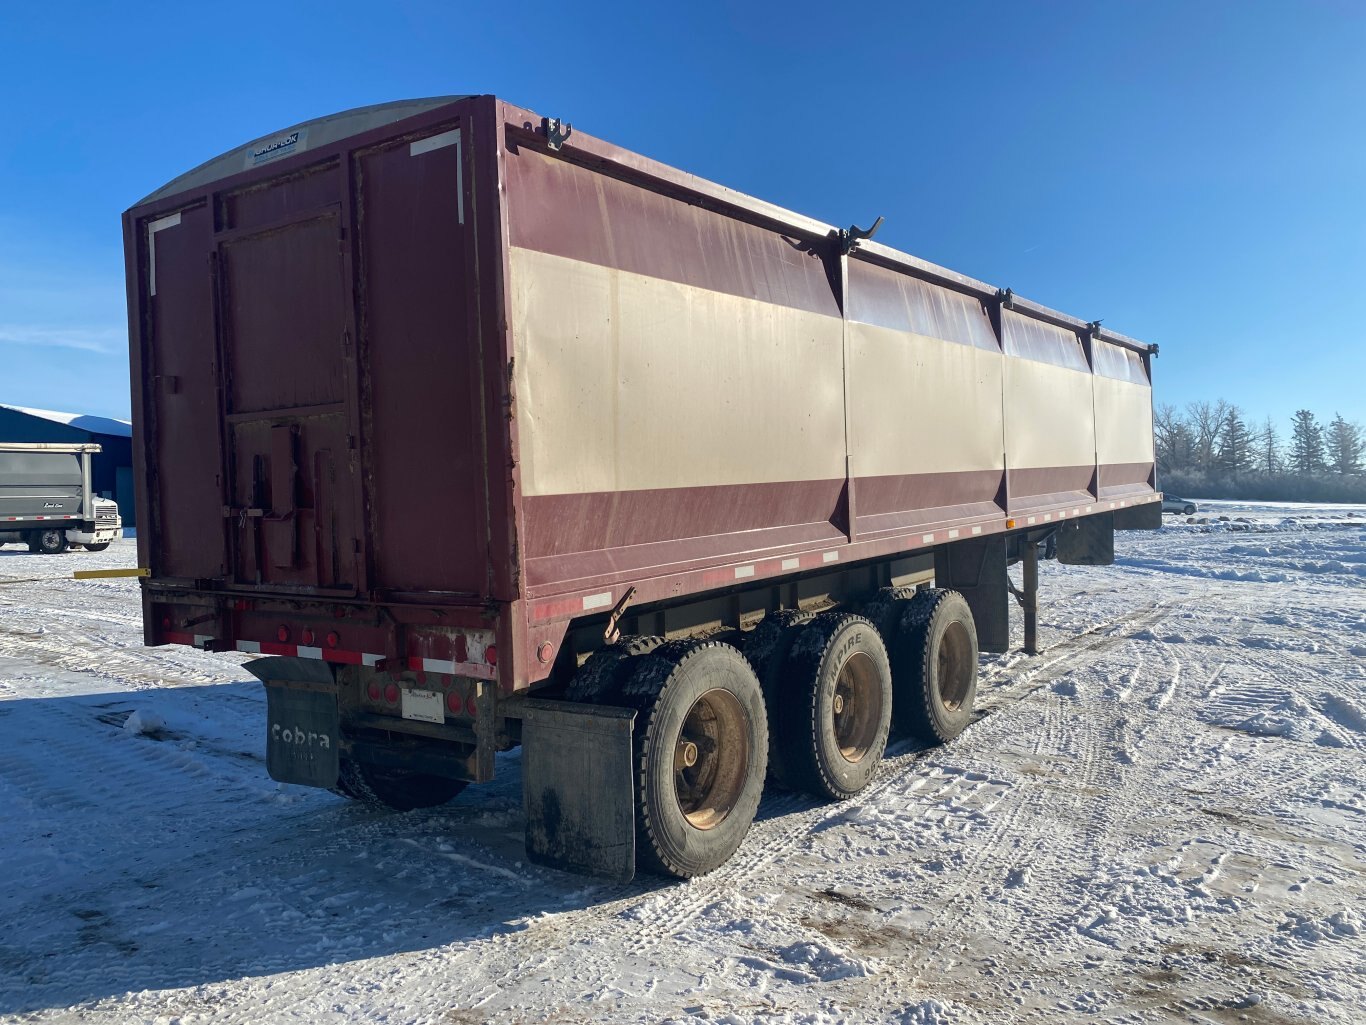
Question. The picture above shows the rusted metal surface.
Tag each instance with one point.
(419, 372)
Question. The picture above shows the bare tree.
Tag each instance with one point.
(1206, 423)
(1172, 438)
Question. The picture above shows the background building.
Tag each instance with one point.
(111, 469)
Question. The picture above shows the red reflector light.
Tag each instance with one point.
(282, 634)
(471, 709)
(374, 690)
(166, 622)
(391, 693)
(455, 702)
(306, 637)
(333, 639)
(491, 654)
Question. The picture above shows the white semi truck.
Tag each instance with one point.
(46, 500)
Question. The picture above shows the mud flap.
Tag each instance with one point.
(577, 787)
(303, 724)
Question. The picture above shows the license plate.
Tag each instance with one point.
(424, 706)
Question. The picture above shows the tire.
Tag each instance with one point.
(697, 700)
(934, 667)
(399, 789)
(838, 707)
(766, 648)
(97, 548)
(886, 608)
(1189, 510)
(48, 542)
(599, 678)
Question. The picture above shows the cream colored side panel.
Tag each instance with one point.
(627, 382)
(921, 404)
(1124, 421)
(1048, 415)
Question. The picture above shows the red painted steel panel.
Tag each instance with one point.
(423, 427)
(603, 535)
(915, 501)
(179, 412)
(572, 211)
(284, 309)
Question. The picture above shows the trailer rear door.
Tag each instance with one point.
(313, 379)
(285, 339)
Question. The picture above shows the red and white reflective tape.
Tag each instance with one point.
(478, 671)
(350, 658)
(64, 516)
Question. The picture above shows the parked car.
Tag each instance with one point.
(1170, 503)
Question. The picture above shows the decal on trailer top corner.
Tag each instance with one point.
(280, 146)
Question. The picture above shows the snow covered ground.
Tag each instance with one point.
(1161, 818)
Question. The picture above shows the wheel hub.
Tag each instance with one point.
(856, 706)
(954, 667)
(711, 758)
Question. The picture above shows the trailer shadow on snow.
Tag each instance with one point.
(147, 849)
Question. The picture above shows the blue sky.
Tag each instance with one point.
(1194, 173)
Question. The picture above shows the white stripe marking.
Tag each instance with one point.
(451, 138)
(927, 539)
(310, 652)
(1030, 520)
(437, 665)
(152, 228)
(201, 639)
(597, 601)
(976, 530)
(743, 571)
(830, 556)
(791, 563)
(1047, 517)
(370, 660)
(952, 534)
(251, 647)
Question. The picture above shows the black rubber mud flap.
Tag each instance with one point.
(1089, 541)
(303, 724)
(303, 732)
(577, 787)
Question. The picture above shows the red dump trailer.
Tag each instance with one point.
(481, 431)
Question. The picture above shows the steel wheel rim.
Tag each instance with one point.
(954, 666)
(711, 758)
(856, 707)
(52, 538)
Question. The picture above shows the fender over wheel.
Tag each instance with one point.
(835, 718)
(934, 666)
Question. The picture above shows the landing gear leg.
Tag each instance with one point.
(1029, 598)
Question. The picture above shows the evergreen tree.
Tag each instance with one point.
(1235, 444)
(1344, 444)
(1268, 448)
(1306, 443)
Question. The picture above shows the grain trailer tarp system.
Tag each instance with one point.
(441, 402)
